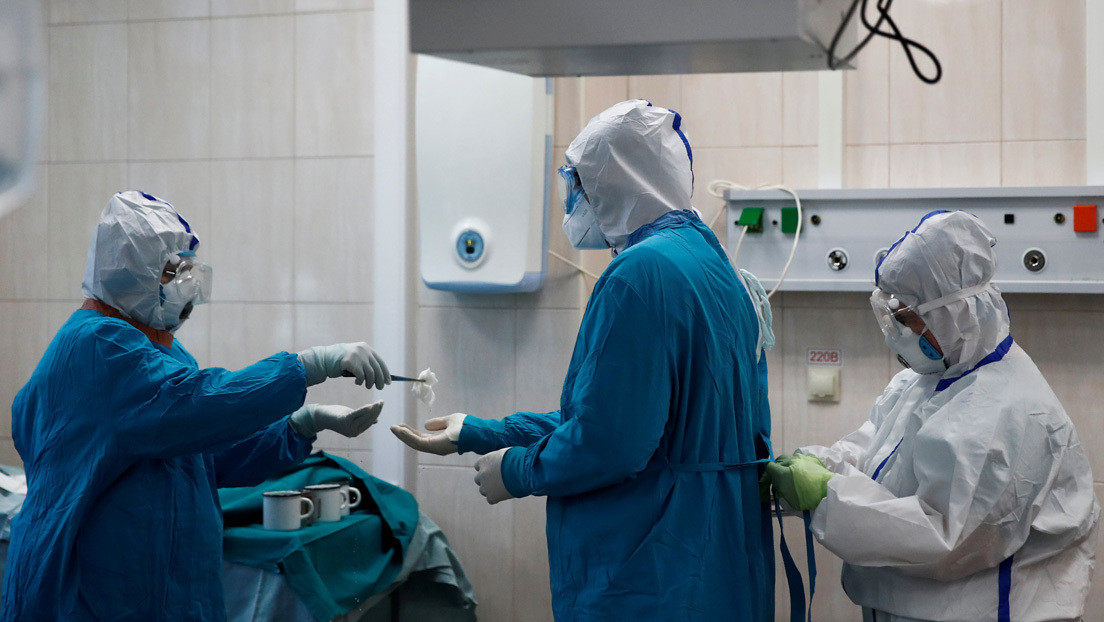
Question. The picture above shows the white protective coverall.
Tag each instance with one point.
(967, 495)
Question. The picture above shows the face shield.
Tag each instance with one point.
(184, 284)
(579, 224)
(906, 334)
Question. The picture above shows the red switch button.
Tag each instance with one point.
(1084, 218)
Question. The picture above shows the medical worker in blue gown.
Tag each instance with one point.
(125, 439)
(649, 465)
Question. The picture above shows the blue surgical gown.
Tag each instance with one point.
(125, 443)
(649, 465)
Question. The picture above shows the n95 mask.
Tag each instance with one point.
(579, 224)
(905, 334)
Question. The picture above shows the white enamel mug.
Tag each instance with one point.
(352, 495)
(284, 510)
(329, 500)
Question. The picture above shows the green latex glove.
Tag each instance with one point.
(801, 480)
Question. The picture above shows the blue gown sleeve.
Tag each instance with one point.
(524, 428)
(619, 403)
(262, 455)
(162, 407)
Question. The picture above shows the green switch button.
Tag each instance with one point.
(752, 218)
(789, 220)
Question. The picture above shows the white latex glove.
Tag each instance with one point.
(442, 441)
(359, 360)
(488, 477)
(309, 420)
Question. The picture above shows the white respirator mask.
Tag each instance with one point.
(579, 224)
(905, 334)
(190, 285)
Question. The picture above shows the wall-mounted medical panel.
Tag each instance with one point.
(483, 140)
(631, 37)
(1049, 239)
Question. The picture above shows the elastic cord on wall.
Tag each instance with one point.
(717, 188)
(573, 264)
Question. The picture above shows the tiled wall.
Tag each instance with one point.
(254, 118)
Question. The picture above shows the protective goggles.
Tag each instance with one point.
(191, 277)
(570, 187)
(893, 314)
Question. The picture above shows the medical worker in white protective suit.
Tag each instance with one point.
(967, 496)
(125, 438)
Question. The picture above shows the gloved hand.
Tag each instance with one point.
(446, 431)
(309, 420)
(488, 477)
(358, 359)
(802, 480)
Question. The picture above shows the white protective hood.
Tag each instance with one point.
(950, 254)
(635, 165)
(134, 238)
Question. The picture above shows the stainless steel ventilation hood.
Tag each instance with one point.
(630, 37)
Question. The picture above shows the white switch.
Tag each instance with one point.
(823, 383)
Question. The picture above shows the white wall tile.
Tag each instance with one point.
(83, 11)
(936, 166)
(1064, 346)
(224, 8)
(866, 95)
(23, 235)
(663, 91)
(480, 534)
(242, 334)
(800, 113)
(1043, 163)
(252, 91)
(472, 351)
(252, 229)
(77, 194)
(966, 103)
(532, 591)
(428, 297)
(1043, 66)
(185, 185)
(87, 90)
(799, 167)
(170, 9)
(733, 110)
(333, 90)
(545, 341)
(325, 324)
(23, 341)
(568, 112)
(866, 166)
(600, 93)
(333, 226)
(1052, 302)
(169, 90)
(864, 373)
(307, 6)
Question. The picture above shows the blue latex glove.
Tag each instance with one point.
(359, 360)
(309, 420)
